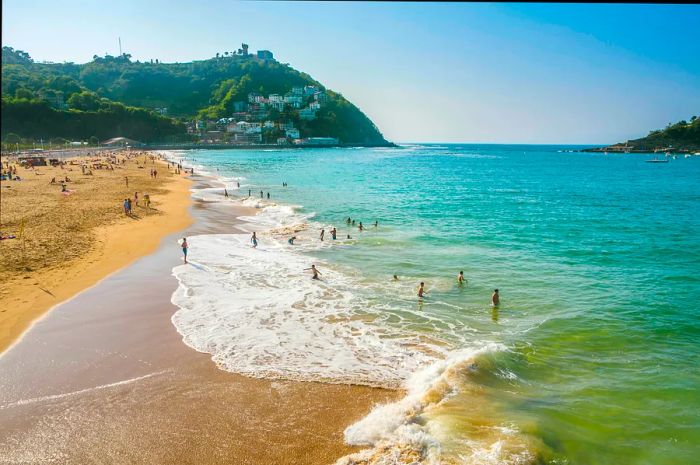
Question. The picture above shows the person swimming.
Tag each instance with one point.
(495, 299)
(254, 240)
(421, 290)
(315, 272)
(396, 278)
(460, 278)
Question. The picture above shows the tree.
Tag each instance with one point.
(24, 93)
(85, 101)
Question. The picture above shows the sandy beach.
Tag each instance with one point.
(72, 241)
(106, 378)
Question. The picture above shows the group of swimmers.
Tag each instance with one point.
(422, 292)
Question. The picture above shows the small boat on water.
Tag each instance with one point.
(656, 158)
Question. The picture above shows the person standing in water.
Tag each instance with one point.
(315, 272)
(268, 196)
(225, 193)
(238, 184)
(323, 233)
(376, 223)
(460, 278)
(248, 192)
(495, 299)
(261, 194)
(360, 227)
(421, 290)
(348, 221)
(334, 233)
(396, 278)
(184, 248)
(254, 240)
(291, 240)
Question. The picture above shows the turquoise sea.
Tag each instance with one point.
(597, 260)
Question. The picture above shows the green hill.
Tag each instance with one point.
(683, 136)
(153, 102)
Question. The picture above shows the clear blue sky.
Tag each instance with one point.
(530, 73)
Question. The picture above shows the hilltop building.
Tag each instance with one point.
(265, 55)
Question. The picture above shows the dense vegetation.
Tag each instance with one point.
(102, 119)
(114, 96)
(681, 136)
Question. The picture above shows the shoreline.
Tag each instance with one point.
(112, 360)
(35, 293)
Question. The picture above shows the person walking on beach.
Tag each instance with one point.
(147, 199)
(184, 248)
(136, 199)
(315, 272)
(254, 240)
(323, 233)
(495, 299)
(421, 290)
(460, 278)
(126, 178)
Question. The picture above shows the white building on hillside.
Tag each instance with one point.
(307, 114)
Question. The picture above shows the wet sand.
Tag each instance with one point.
(105, 378)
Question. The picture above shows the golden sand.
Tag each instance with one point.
(70, 242)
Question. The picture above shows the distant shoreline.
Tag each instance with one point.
(258, 146)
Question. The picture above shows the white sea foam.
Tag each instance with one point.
(81, 391)
(394, 431)
(258, 313)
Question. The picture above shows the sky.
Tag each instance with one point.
(423, 72)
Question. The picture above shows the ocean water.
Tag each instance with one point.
(593, 356)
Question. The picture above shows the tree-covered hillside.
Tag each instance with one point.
(86, 100)
(683, 135)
